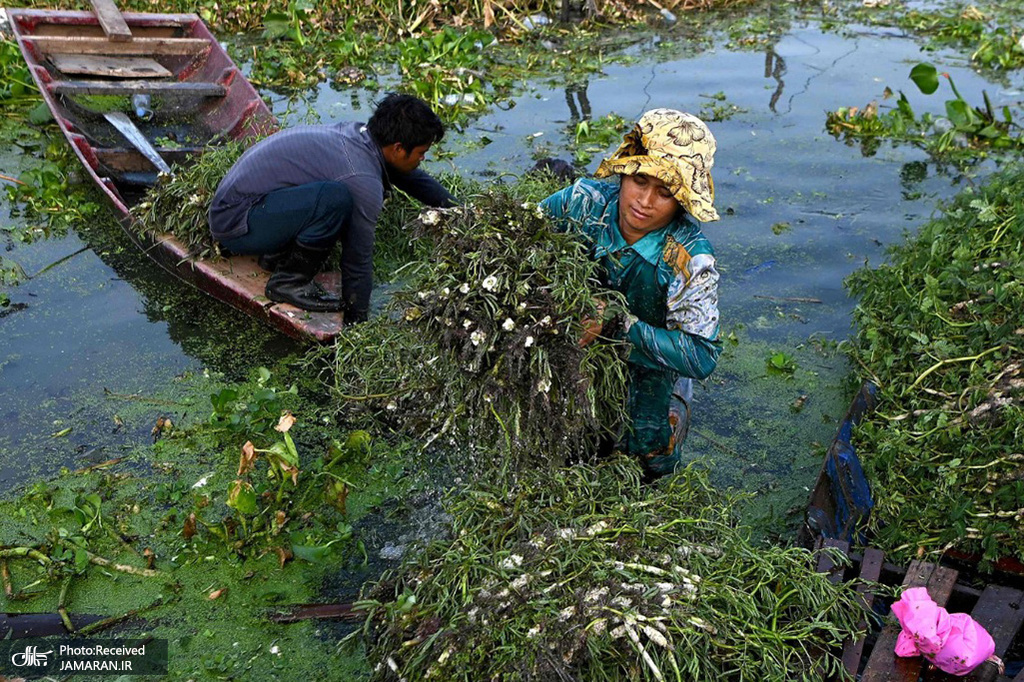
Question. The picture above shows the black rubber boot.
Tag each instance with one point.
(293, 283)
(272, 261)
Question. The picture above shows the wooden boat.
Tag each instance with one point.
(840, 501)
(993, 599)
(202, 98)
(837, 514)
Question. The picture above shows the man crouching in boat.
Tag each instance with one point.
(293, 196)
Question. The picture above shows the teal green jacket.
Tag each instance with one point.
(670, 283)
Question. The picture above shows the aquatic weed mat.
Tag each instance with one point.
(162, 543)
(587, 573)
(940, 331)
(481, 347)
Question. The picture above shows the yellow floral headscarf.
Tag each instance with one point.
(678, 149)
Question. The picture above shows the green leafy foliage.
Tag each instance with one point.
(940, 331)
(15, 80)
(585, 573)
(48, 195)
(180, 204)
(595, 136)
(965, 132)
(992, 45)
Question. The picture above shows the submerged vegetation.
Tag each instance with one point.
(586, 573)
(941, 333)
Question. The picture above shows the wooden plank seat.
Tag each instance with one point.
(111, 20)
(103, 45)
(201, 89)
(870, 571)
(109, 66)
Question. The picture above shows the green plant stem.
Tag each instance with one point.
(61, 609)
(114, 620)
(123, 568)
(950, 361)
(29, 552)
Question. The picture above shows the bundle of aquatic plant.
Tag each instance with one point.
(941, 331)
(585, 573)
(485, 347)
(179, 204)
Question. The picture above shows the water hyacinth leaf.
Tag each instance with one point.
(926, 77)
(312, 553)
(40, 114)
(276, 25)
(81, 560)
(242, 497)
(961, 114)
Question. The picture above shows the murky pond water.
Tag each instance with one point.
(800, 211)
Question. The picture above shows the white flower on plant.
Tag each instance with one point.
(391, 406)
(445, 291)
(545, 321)
(490, 283)
(509, 324)
(544, 385)
(276, 650)
(464, 289)
(466, 324)
(522, 306)
(430, 217)
(477, 337)
(528, 342)
(195, 199)
(423, 295)
(512, 561)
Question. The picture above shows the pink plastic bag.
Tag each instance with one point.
(954, 642)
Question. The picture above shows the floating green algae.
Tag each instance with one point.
(128, 509)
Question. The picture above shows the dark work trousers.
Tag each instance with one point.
(313, 215)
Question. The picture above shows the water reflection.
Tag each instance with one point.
(774, 67)
(577, 93)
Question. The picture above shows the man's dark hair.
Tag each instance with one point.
(405, 119)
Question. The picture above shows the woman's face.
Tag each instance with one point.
(645, 205)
